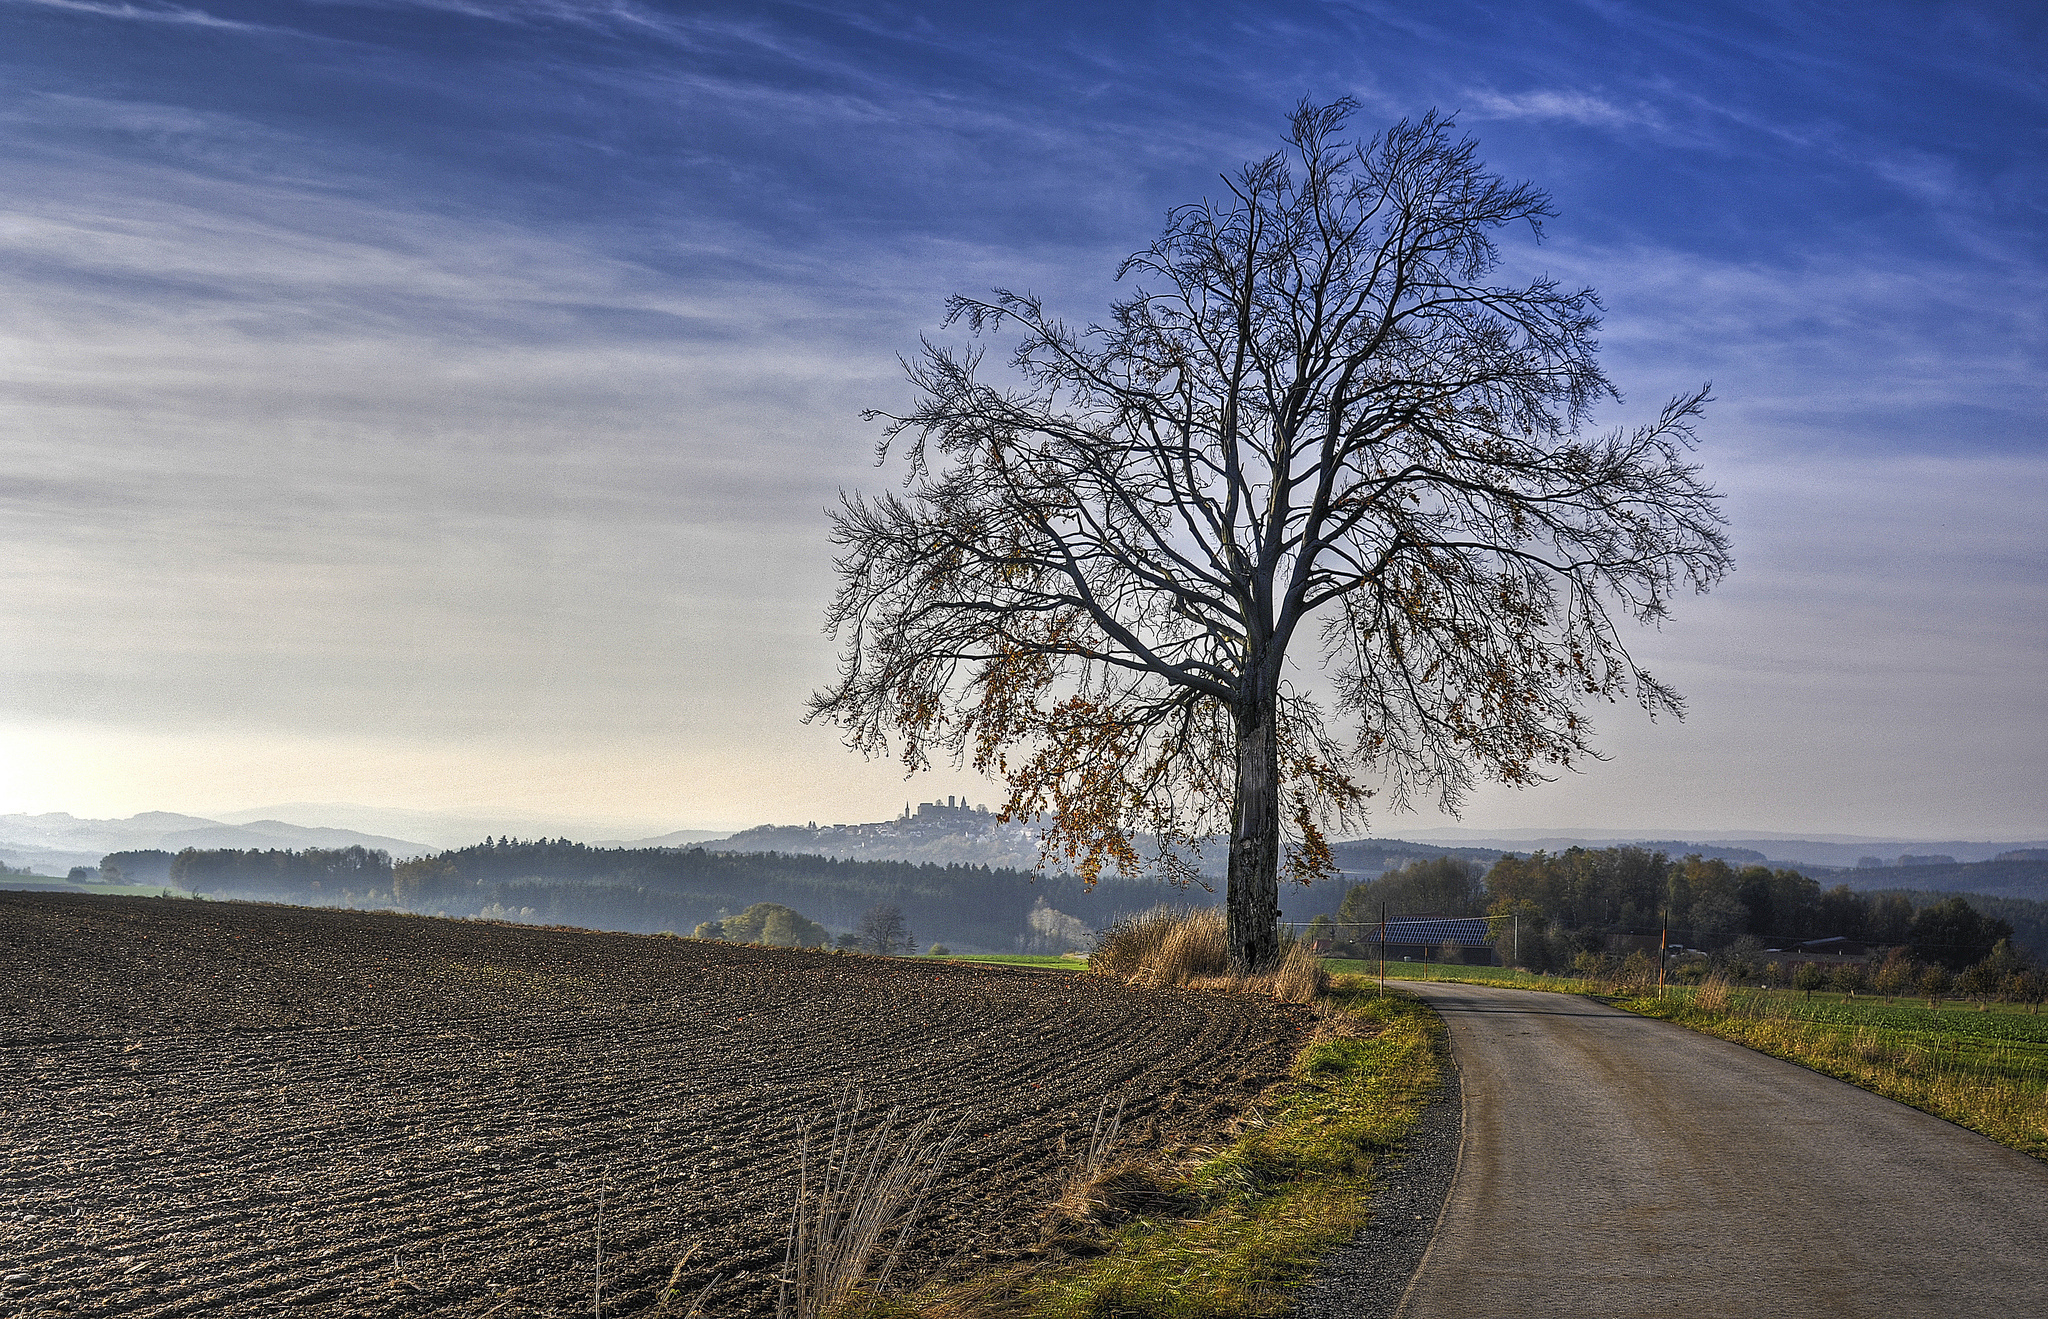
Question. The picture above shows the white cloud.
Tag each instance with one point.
(145, 13)
(1569, 107)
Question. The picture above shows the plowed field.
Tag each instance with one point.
(218, 1108)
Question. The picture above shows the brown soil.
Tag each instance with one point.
(226, 1108)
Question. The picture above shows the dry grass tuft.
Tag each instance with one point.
(850, 1194)
(1300, 977)
(1164, 948)
(1188, 948)
(1131, 1188)
(1106, 1190)
(1713, 994)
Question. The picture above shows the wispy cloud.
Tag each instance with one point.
(1570, 107)
(478, 379)
(145, 13)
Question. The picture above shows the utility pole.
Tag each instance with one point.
(1664, 935)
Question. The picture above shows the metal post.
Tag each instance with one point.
(1383, 948)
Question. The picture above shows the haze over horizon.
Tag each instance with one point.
(433, 406)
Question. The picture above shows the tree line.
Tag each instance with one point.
(651, 890)
(1550, 908)
(314, 873)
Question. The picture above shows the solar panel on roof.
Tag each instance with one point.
(1464, 931)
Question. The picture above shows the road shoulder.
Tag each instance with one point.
(1366, 1277)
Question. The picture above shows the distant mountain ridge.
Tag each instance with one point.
(1838, 851)
(936, 832)
(2020, 877)
(53, 843)
(453, 829)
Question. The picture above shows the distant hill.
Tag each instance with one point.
(936, 833)
(946, 834)
(266, 834)
(1367, 858)
(1826, 851)
(1812, 852)
(2023, 879)
(55, 842)
(444, 829)
(679, 838)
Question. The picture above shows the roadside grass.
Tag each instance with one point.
(1508, 976)
(1984, 1067)
(1229, 1236)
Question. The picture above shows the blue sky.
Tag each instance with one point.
(435, 404)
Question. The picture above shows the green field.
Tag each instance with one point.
(49, 884)
(1968, 1020)
(1020, 959)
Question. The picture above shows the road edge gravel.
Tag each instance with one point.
(1366, 1277)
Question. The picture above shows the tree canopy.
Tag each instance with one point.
(1316, 412)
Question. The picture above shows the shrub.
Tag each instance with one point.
(1637, 973)
(1895, 976)
(1299, 978)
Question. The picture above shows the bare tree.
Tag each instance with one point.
(884, 930)
(1313, 406)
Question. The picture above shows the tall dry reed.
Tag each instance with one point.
(1163, 948)
(850, 1194)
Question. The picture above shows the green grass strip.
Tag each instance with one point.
(1451, 972)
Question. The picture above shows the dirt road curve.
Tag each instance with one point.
(1617, 1166)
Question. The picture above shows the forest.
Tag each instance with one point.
(650, 890)
(1555, 905)
(313, 874)
(1560, 905)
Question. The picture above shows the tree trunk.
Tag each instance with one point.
(1252, 899)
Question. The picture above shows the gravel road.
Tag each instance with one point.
(1612, 1165)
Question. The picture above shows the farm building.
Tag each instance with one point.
(1835, 946)
(1425, 939)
